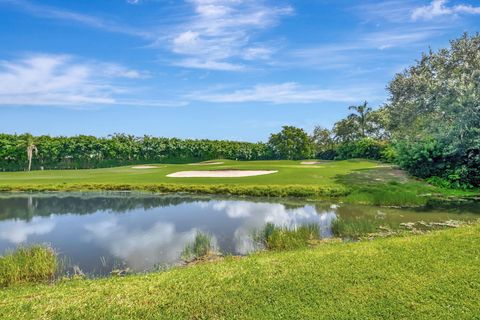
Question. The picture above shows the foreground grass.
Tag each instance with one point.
(27, 264)
(433, 276)
(355, 181)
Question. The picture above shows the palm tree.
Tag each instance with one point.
(361, 116)
(31, 148)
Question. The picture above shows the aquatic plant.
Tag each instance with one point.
(201, 247)
(283, 238)
(356, 227)
(36, 263)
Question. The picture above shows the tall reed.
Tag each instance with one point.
(36, 263)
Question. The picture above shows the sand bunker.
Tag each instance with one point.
(205, 163)
(310, 162)
(220, 173)
(144, 167)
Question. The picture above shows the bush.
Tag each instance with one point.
(431, 159)
(28, 265)
(330, 154)
(365, 148)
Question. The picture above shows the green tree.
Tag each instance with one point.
(346, 130)
(437, 102)
(361, 117)
(292, 144)
(322, 139)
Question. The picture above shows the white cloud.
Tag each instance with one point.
(285, 93)
(62, 80)
(439, 8)
(216, 35)
(255, 53)
(209, 64)
(221, 30)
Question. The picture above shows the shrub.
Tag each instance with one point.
(431, 159)
(365, 148)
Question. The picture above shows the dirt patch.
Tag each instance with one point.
(310, 162)
(144, 167)
(205, 163)
(220, 173)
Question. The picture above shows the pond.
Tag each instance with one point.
(99, 232)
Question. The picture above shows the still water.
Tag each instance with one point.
(99, 232)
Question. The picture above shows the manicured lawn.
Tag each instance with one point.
(289, 173)
(354, 181)
(433, 276)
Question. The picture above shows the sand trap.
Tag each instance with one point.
(144, 167)
(205, 163)
(310, 162)
(220, 173)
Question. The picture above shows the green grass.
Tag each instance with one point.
(27, 265)
(432, 276)
(289, 173)
(356, 181)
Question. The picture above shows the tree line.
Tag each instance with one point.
(25, 152)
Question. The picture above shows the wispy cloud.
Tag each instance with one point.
(62, 80)
(215, 35)
(396, 11)
(363, 50)
(402, 37)
(50, 12)
(439, 8)
(286, 93)
(220, 31)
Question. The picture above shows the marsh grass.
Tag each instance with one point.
(283, 238)
(201, 247)
(357, 227)
(297, 191)
(32, 264)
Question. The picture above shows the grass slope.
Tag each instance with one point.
(433, 276)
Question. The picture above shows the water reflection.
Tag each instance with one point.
(139, 248)
(18, 231)
(101, 231)
(254, 216)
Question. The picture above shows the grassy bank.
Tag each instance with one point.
(432, 276)
(355, 181)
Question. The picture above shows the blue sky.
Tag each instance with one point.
(223, 69)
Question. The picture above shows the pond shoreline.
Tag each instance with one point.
(301, 192)
(259, 283)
